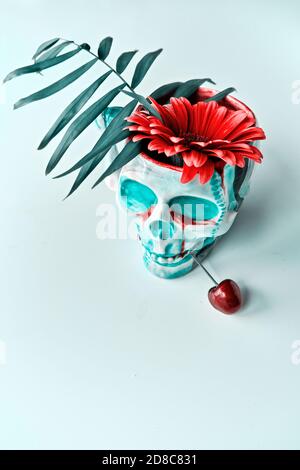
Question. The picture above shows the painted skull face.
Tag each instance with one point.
(172, 219)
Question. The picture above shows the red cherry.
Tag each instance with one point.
(226, 297)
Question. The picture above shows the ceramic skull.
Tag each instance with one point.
(173, 219)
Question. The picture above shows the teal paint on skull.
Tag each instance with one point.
(168, 270)
(162, 229)
(217, 190)
(229, 175)
(149, 192)
(174, 275)
(208, 241)
(174, 264)
(110, 113)
(195, 208)
(169, 249)
(107, 116)
(136, 196)
(148, 245)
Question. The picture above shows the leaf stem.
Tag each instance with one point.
(141, 99)
(107, 65)
(119, 75)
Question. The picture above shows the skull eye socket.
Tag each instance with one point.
(135, 196)
(193, 209)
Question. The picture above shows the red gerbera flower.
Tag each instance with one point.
(207, 135)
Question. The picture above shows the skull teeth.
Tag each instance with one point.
(164, 259)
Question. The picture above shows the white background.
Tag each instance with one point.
(100, 354)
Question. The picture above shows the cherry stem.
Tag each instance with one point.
(204, 269)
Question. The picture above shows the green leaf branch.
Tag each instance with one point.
(51, 53)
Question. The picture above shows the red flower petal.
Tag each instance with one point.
(226, 155)
(240, 160)
(233, 119)
(138, 137)
(215, 124)
(159, 128)
(187, 158)
(248, 122)
(207, 135)
(208, 117)
(176, 140)
(138, 119)
(181, 113)
(188, 173)
(211, 144)
(252, 133)
(180, 148)
(256, 151)
(163, 135)
(194, 158)
(239, 146)
(206, 171)
(256, 155)
(168, 119)
(201, 145)
(161, 146)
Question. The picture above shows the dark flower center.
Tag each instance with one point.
(189, 137)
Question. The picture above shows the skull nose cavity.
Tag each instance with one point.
(162, 229)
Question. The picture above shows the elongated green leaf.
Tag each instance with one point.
(129, 152)
(144, 102)
(80, 124)
(57, 86)
(96, 154)
(165, 90)
(118, 123)
(124, 60)
(222, 94)
(104, 48)
(38, 66)
(71, 110)
(85, 171)
(143, 66)
(189, 87)
(113, 134)
(117, 136)
(54, 51)
(44, 46)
